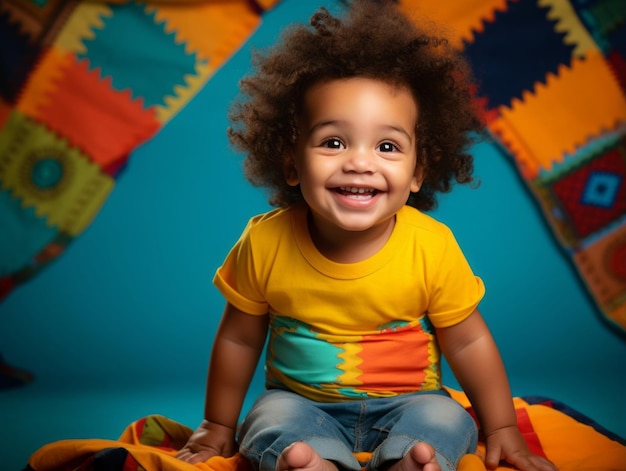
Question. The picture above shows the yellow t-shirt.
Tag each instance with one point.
(348, 331)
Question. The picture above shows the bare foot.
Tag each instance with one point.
(301, 457)
(419, 458)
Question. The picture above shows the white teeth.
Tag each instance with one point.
(355, 190)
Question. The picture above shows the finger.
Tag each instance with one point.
(184, 454)
(529, 463)
(192, 457)
(201, 457)
(543, 464)
(492, 457)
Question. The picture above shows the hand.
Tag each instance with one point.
(208, 440)
(508, 444)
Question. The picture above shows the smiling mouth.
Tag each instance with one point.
(356, 192)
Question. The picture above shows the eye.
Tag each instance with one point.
(332, 143)
(388, 147)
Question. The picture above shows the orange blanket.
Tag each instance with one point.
(552, 430)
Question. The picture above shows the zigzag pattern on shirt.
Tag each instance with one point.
(350, 363)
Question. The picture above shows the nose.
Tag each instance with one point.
(359, 160)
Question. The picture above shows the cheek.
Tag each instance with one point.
(316, 171)
(403, 178)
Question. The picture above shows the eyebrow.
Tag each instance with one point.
(332, 122)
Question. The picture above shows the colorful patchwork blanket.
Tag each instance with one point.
(552, 83)
(78, 94)
(571, 441)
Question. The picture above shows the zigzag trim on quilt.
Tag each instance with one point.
(183, 94)
(189, 25)
(543, 127)
(80, 26)
(567, 21)
(461, 19)
(42, 81)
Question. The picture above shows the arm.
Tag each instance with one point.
(236, 351)
(477, 365)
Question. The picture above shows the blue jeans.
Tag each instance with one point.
(388, 427)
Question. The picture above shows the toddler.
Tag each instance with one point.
(354, 124)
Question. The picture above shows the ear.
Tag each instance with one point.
(418, 179)
(290, 171)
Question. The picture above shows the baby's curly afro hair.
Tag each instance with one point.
(374, 40)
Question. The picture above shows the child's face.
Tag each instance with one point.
(355, 159)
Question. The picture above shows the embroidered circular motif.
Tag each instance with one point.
(45, 173)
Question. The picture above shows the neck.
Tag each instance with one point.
(343, 246)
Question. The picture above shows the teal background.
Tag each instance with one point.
(121, 325)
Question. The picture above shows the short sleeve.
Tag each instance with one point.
(455, 291)
(237, 280)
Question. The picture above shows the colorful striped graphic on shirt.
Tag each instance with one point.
(397, 358)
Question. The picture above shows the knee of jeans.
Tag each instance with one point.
(449, 418)
(443, 411)
(274, 410)
(437, 420)
(275, 421)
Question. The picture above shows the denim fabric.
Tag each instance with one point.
(388, 427)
